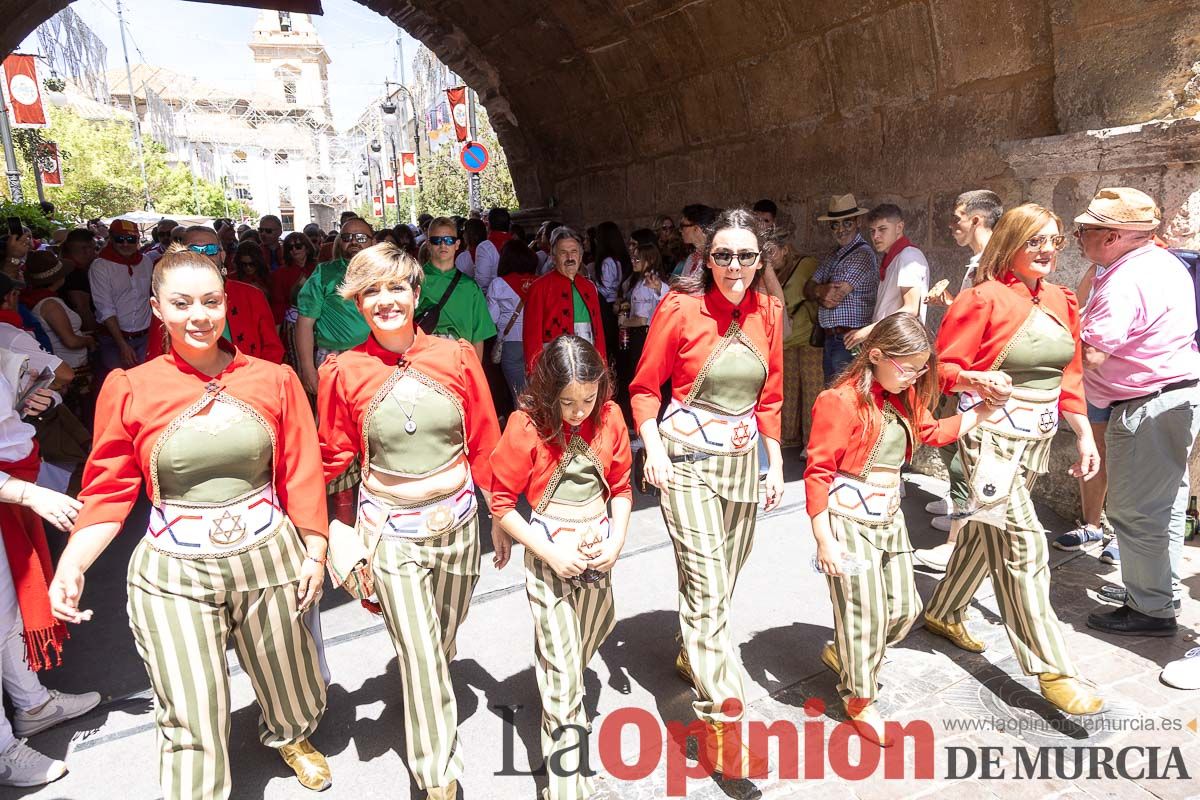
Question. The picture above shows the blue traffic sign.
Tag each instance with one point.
(474, 157)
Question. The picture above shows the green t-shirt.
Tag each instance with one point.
(582, 315)
(339, 324)
(465, 314)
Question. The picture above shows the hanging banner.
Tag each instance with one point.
(49, 164)
(23, 92)
(377, 206)
(408, 169)
(389, 192)
(458, 111)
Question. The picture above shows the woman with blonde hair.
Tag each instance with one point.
(1014, 339)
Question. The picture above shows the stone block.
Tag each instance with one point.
(806, 19)
(604, 195)
(619, 68)
(737, 28)
(669, 48)
(710, 106)
(683, 179)
(786, 86)
(882, 59)
(587, 22)
(652, 124)
(981, 42)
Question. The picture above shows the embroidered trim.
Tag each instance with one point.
(889, 416)
(733, 332)
(259, 542)
(1012, 342)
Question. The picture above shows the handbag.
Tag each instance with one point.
(991, 484)
(498, 348)
(349, 559)
(816, 337)
(429, 318)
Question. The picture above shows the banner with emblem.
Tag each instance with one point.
(23, 92)
(458, 111)
(49, 164)
(408, 169)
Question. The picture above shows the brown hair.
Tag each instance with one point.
(1015, 227)
(177, 257)
(895, 336)
(378, 264)
(310, 249)
(734, 218)
(565, 360)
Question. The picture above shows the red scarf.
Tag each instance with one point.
(109, 253)
(892, 252)
(520, 282)
(12, 318)
(29, 561)
(31, 297)
(499, 239)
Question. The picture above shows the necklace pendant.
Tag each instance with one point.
(410, 427)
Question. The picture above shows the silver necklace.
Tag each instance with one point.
(410, 427)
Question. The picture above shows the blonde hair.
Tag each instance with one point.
(177, 256)
(1015, 227)
(379, 264)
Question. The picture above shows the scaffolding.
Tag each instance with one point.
(74, 52)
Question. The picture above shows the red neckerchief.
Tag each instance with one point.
(372, 347)
(520, 282)
(12, 318)
(109, 253)
(892, 252)
(31, 297)
(499, 239)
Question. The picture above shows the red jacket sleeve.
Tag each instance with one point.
(832, 425)
(658, 358)
(769, 411)
(268, 336)
(619, 470)
(1071, 399)
(531, 330)
(483, 429)
(337, 431)
(960, 338)
(512, 463)
(112, 477)
(298, 478)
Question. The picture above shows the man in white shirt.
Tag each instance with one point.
(903, 273)
(120, 281)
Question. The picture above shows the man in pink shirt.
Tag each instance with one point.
(1140, 360)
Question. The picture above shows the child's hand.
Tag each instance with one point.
(829, 557)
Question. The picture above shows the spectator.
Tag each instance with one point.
(646, 287)
(423, 221)
(802, 375)
(542, 247)
(487, 253)
(518, 233)
(613, 268)
(664, 227)
(766, 211)
(270, 228)
(78, 252)
(46, 275)
(402, 237)
(844, 285)
(385, 235)
(639, 237)
(326, 247)
(562, 301)
(506, 302)
(474, 234)
(694, 223)
(15, 250)
(120, 282)
(227, 236)
(313, 231)
(162, 239)
(463, 310)
(1140, 360)
(251, 268)
(16, 338)
(301, 261)
(903, 273)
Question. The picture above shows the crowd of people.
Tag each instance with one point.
(338, 403)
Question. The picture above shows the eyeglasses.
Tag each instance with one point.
(1036, 243)
(1080, 231)
(905, 372)
(361, 238)
(297, 246)
(840, 224)
(446, 240)
(122, 239)
(665, 227)
(723, 258)
(205, 249)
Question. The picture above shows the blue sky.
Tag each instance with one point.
(211, 42)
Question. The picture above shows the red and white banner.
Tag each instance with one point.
(49, 164)
(377, 206)
(23, 92)
(408, 169)
(389, 192)
(458, 111)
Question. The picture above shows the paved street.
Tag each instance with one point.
(782, 618)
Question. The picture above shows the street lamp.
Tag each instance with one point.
(389, 107)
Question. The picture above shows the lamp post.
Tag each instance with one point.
(375, 148)
(389, 107)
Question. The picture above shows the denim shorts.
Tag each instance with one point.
(1098, 415)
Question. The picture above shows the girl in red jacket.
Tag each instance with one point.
(864, 428)
(567, 451)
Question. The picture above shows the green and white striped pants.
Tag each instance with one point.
(712, 536)
(571, 620)
(874, 609)
(183, 612)
(424, 587)
(1017, 558)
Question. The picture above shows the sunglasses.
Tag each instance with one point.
(205, 249)
(1036, 243)
(297, 246)
(361, 238)
(905, 373)
(723, 258)
(446, 240)
(122, 239)
(838, 224)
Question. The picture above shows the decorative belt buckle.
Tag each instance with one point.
(440, 520)
(741, 435)
(1047, 421)
(227, 530)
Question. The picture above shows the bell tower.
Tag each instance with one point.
(291, 65)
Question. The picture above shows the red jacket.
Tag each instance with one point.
(683, 333)
(283, 283)
(844, 434)
(523, 462)
(982, 321)
(350, 380)
(550, 312)
(248, 316)
(135, 406)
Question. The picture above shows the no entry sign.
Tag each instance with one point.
(474, 157)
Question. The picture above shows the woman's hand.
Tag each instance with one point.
(58, 509)
(65, 591)
(829, 557)
(658, 469)
(310, 583)
(566, 562)
(774, 487)
(501, 545)
(1089, 459)
(993, 386)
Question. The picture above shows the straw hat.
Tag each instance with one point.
(842, 206)
(1123, 209)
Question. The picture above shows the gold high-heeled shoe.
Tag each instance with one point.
(1070, 695)
(829, 658)
(868, 722)
(447, 792)
(310, 766)
(956, 632)
(683, 666)
(713, 756)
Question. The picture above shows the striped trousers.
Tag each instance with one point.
(424, 587)
(570, 621)
(874, 609)
(1016, 558)
(712, 536)
(183, 613)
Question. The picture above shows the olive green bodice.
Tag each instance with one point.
(893, 442)
(734, 380)
(580, 483)
(396, 447)
(214, 457)
(1039, 353)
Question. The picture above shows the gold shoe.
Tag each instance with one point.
(1069, 694)
(956, 632)
(683, 666)
(447, 792)
(748, 764)
(311, 768)
(829, 658)
(867, 721)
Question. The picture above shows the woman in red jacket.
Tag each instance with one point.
(864, 429)
(1014, 338)
(235, 546)
(567, 451)
(720, 342)
(418, 412)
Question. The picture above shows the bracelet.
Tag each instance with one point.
(320, 561)
(24, 488)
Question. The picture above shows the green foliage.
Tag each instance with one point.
(31, 216)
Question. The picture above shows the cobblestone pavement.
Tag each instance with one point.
(782, 618)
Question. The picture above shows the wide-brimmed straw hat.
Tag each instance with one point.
(842, 206)
(1123, 209)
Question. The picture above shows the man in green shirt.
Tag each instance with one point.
(464, 315)
(328, 322)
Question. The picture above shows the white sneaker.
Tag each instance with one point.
(59, 708)
(21, 765)
(939, 507)
(1183, 673)
(936, 558)
(942, 523)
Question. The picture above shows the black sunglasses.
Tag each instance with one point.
(122, 239)
(723, 258)
(298, 246)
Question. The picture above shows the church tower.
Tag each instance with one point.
(290, 63)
